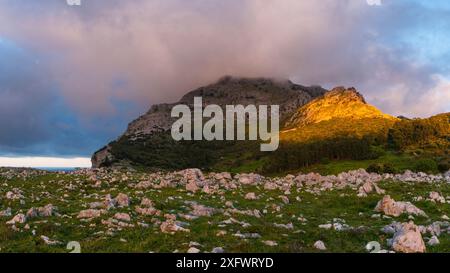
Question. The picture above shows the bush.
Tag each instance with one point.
(426, 166)
(325, 160)
(377, 152)
(375, 168)
(380, 168)
(443, 167)
(389, 168)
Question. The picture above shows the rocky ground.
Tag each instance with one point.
(118, 211)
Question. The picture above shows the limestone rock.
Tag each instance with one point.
(320, 245)
(250, 196)
(408, 239)
(170, 226)
(392, 208)
(122, 200)
(18, 219)
(122, 217)
(90, 213)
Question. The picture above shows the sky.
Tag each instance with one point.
(73, 77)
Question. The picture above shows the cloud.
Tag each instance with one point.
(45, 162)
(106, 54)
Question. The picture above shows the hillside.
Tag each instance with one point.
(338, 103)
(149, 134)
(319, 130)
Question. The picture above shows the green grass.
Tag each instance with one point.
(317, 209)
(401, 162)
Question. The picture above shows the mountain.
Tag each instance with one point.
(156, 123)
(338, 103)
(339, 112)
(317, 127)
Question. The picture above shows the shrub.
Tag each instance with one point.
(375, 168)
(426, 166)
(380, 168)
(325, 160)
(377, 151)
(443, 167)
(389, 168)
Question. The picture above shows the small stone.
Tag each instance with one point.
(122, 200)
(18, 219)
(170, 226)
(326, 226)
(250, 196)
(320, 245)
(221, 233)
(285, 199)
(270, 243)
(193, 250)
(6, 213)
(217, 250)
(147, 202)
(48, 241)
(90, 213)
(122, 217)
(433, 241)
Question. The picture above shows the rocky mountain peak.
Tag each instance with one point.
(343, 94)
(340, 102)
(239, 90)
(230, 91)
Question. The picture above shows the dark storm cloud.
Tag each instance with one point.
(22, 97)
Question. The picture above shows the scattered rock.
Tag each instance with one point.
(392, 208)
(320, 245)
(148, 211)
(46, 211)
(193, 250)
(90, 213)
(145, 202)
(122, 217)
(122, 200)
(408, 239)
(250, 196)
(433, 241)
(49, 242)
(285, 199)
(170, 226)
(436, 197)
(217, 250)
(18, 219)
(200, 210)
(270, 243)
(6, 213)
(369, 187)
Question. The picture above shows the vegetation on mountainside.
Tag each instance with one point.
(335, 142)
(434, 131)
(338, 126)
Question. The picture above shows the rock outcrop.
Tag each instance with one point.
(392, 208)
(408, 239)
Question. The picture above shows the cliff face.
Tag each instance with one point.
(227, 91)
